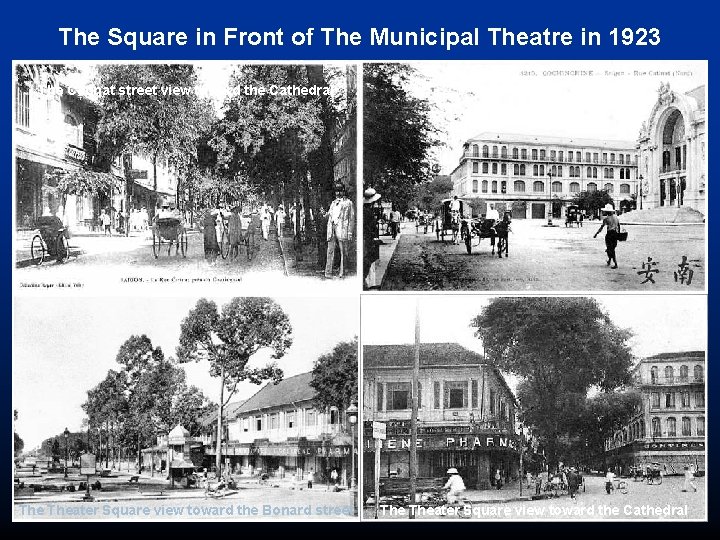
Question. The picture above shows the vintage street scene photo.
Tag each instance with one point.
(535, 176)
(186, 409)
(534, 408)
(216, 173)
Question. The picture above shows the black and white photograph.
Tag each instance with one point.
(535, 176)
(534, 408)
(153, 174)
(186, 409)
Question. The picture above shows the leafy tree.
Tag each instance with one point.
(334, 377)
(560, 347)
(18, 443)
(429, 194)
(229, 339)
(592, 201)
(398, 133)
(189, 406)
(55, 452)
(27, 75)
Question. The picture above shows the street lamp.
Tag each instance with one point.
(352, 416)
(67, 434)
(550, 204)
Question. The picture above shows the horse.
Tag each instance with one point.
(488, 229)
(455, 222)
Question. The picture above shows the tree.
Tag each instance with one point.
(560, 347)
(55, 452)
(398, 133)
(334, 377)
(429, 195)
(229, 339)
(592, 201)
(18, 444)
(190, 405)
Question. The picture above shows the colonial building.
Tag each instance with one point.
(183, 452)
(669, 426)
(280, 431)
(466, 416)
(672, 151)
(535, 175)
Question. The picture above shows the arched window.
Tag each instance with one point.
(622, 174)
(700, 426)
(522, 170)
(684, 372)
(592, 186)
(475, 166)
(523, 153)
(542, 154)
(503, 169)
(612, 173)
(495, 150)
(519, 186)
(574, 187)
(516, 169)
(624, 188)
(698, 373)
(494, 186)
(656, 430)
(535, 170)
(494, 168)
(671, 427)
(595, 169)
(538, 187)
(553, 170)
(485, 168)
(669, 374)
(484, 186)
(587, 156)
(589, 172)
(485, 150)
(542, 170)
(686, 430)
(608, 187)
(475, 186)
(560, 171)
(503, 151)
(515, 153)
(654, 375)
(557, 187)
(475, 150)
(627, 174)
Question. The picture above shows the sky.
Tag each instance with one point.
(64, 347)
(497, 96)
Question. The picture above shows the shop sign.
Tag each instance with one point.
(319, 451)
(672, 446)
(76, 154)
(454, 442)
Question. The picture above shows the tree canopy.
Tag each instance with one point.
(334, 377)
(592, 201)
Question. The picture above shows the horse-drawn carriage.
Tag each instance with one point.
(169, 230)
(451, 218)
(487, 228)
(574, 216)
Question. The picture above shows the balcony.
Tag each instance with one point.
(669, 381)
(672, 168)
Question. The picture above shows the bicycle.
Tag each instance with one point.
(463, 507)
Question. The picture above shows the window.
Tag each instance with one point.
(494, 168)
(624, 188)
(22, 106)
(627, 174)
(557, 187)
(246, 424)
(656, 431)
(310, 417)
(398, 396)
(290, 419)
(654, 375)
(519, 186)
(258, 423)
(456, 394)
(515, 153)
(604, 157)
(608, 187)
(595, 157)
(589, 172)
(534, 153)
(535, 170)
(594, 171)
(274, 420)
(484, 186)
(516, 169)
(699, 399)
(670, 400)
(685, 399)
(522, 170)
(475, 150)
(523, 153)
(485, 150)
(671, 427)
(612, 158)
(698, 373)
(574, 187)
(436, 394)
(686, 431)
(475, 167)
(622, 174)
(560, 171)
(334, 417)
(542, 154)
(73, 131)
(592, 186)
(552, 155)
(669, 374)
(655, 400)
(503, 169)
(538, 187)
(560, 155)
(503, 152)
(621, 159)
(380, 397)
(684, 373)
(494, 186)
(475, 186)
(492, 401)
(578, 156)
(474, 393)
(587, 156)
(495, 150)
(700, 426)
(627, 158)
(485, 168)
(542, 170)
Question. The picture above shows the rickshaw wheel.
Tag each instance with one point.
(37, 250)
(224, 245)
(156, 245)
(62, 247)
(184, 243)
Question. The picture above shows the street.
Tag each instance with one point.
(643, 501)
(550, 258)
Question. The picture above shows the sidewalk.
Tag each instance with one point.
(308, 267)
(387, 249)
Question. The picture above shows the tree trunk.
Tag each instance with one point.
(218, 457)
(127, 170)
(155, 191)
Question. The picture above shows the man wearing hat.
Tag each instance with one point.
(455, 486)
(612, 223)
(341, 220)
(371, 245)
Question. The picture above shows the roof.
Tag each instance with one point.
(676, 355)
(431, 354)
(699, 95)
(286, 392)
(519, 138)
(229, 410)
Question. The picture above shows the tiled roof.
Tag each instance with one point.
(677, 355)
(519, 138)
(229, 410)
(290, 390)
(431, 354)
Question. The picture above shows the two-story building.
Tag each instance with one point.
(466, 414)
(281, 432)
(535, 176)
(669, 426)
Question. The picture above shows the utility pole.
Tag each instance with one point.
(414, 414)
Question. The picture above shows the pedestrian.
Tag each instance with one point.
(310, 479)
(334, 478)
(280, 220)
(340, 226)
(106, 222)
(235, 235)
(529, 478)
(253, 226)
(573, 481)
(266, 218)
(612, 223)
(609, 477)
(371, 237)
(210, 237)
(689, 482)
(498, 479)
(395, 219)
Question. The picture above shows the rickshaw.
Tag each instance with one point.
(451, 221)
(50, 240)
(653, 474)
(170, 230)
(482, 228)
(573, 217)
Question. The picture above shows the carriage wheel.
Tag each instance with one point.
(62, 248)
(183, 242)
(156, 245)
(225, 245)
(37, 250)
(659, 479)
(622, 487)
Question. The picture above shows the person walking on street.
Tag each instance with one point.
(498, 479)
(266, 218)
(310, 479)
(371, 242)
(609, 477)
(340, 225)
(280, 220)
(395, 218)
(210, 237)
(689, 482)
(106, 223)
(333, 479)
(612, 223)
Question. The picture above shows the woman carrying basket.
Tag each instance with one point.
(612, 223)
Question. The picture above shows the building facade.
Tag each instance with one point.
(672, 151)
(538, 176)
(280, 432)
(669, 426)
(466, 415)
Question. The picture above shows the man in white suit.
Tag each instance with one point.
(340, 227)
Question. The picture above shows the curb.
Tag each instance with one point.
(394, 244)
